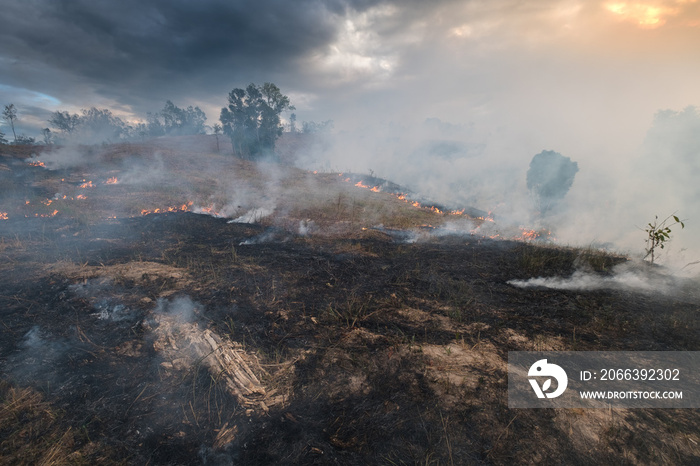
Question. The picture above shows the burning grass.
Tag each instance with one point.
(178, 338)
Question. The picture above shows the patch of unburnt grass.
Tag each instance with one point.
(33, 431)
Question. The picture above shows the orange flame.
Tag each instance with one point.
(3, 216)
(416, 204)
(112, 180)
(87, 184)
(208, 211)
(532, 235)
(182, 208)
(38, 163)
(52, 214)
(81, 196)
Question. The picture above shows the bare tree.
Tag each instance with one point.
(48, 136)
(10, 115)
(218, 129)
(64, 121)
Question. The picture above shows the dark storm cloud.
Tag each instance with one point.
(134, 50)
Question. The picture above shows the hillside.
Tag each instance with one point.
(162, 303)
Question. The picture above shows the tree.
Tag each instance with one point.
(311, 127)
(549, 178)
(24, 140)
(252, 118)
(64, 122)
(293, 123)
(155, 127)
(100, 125)
(3, 139)
(659, 233)
(10, 115)
(46, 133)
(217, 131)
(178, 121)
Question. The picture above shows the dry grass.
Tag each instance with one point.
(371, 351)
(33, 432)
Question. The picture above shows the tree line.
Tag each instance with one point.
(251, 119)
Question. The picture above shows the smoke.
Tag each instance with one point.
(65, 157)
(615, 194)
(253, 216)
(180, 309)
(633, 276)
(39, 357)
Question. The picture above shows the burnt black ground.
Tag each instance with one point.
(325, 317)
(377, 351)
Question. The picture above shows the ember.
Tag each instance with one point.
(52, 214)
(535, 235)
(208, 211)
(182, 208)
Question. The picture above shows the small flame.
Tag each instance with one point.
(87, 184)
(208, 211)
(81, 196)
(112, 180)
(3, 216)
(38, 163)
(52, 214)
(534, 235)
(182, 208)
(45, 202)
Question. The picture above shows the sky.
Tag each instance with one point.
(506, 78)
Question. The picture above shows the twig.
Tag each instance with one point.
(499, 437)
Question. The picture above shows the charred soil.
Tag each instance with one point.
(182, 338)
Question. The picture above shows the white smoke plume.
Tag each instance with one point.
(633, 276)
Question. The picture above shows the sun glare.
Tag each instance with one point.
(649, 15)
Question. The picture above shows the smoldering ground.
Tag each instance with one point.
(609, 204)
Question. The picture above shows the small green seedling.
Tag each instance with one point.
(659, 233)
